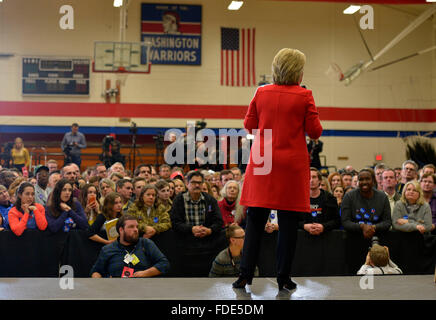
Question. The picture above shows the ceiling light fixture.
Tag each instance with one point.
(235, 5)
(351, 9)
(118, 3)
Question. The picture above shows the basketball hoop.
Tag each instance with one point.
(121, 75)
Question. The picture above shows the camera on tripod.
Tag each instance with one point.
(133, 128)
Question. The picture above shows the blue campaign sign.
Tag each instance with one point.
(174, 32)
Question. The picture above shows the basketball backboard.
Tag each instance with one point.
(130, 57)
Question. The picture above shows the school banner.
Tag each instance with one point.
(174, 32)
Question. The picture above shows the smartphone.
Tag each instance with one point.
(91, 198)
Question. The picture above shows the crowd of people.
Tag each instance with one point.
(202, 204)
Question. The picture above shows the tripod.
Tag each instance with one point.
(133, 149)
(159, 145)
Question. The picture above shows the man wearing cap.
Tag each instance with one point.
(41, 190)
(72, 143)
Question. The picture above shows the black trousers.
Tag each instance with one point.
(286, 241)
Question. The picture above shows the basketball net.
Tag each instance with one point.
(334, 72)
(121, 75)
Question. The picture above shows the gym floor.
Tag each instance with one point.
(413, 287)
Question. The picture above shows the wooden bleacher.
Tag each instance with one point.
(41, 152)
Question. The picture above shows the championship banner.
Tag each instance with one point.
(174, 32)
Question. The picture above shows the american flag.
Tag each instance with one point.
(237, 57)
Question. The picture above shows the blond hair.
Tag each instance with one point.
(418, 188)
(379, 255)
(287, 66)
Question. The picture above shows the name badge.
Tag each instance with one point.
(135, 260)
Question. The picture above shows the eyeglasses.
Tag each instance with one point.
(196, 182)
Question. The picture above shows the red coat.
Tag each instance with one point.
(290, 112)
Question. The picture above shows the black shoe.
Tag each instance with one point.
(286, 284)
(241, 282)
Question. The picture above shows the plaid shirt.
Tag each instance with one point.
(195, 211)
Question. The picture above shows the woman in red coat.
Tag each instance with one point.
(279, 116)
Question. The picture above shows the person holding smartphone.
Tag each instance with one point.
(26, 214)
(90, 201)
(63, 211)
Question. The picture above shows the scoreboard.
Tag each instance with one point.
(56, 76)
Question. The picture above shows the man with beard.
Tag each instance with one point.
(41, 189)
(130, 256)
(366, 212)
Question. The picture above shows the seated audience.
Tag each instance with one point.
(116, 176)
(143, 258)
(216, 192)
(338, 193)
(14, 187)
(95, 180)
(106, 186)
(194, 212)
(428, 169)
(172, 189)
(334, 179)
(428, 184)
(42, 191)
(228, 261)
(365, 213)
(117, 167)
(112, 209)
(143, 171)
(52, 165)
(26, 214)
(125, 189)
(355, 181)
(378, 262)
(163, 194)
(152, 218)
(409, 172)
(225, 175)
(325, 211)
(378, 170)
(63, 212)
(366, 210)
(388, 182)
(100, 171)
(229, 205)
(90, 201)
(164, 171)
(7, 177)
(53, 178)
(412, 212)
(179, 186)
(237, 174)
(347, 178)
(5, 206)
(325, 185)
(138, 183)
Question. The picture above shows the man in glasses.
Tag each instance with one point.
(227, 262)
(409, 172)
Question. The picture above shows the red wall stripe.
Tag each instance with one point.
(126, 110)
(184, 28)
